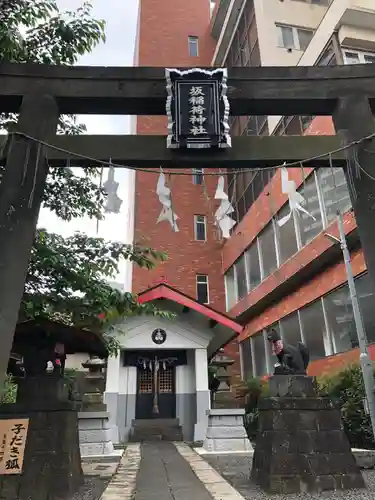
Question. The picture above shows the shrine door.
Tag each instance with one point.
(156, 396)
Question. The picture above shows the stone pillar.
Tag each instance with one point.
(186, 397)
(203, 394)
(111, 395)
(226, 431)
(52, 462)
(301, 445)
(353, 119)
(21, 191)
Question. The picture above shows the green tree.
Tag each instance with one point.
(66, 278)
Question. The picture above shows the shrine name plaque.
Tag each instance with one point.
(13, 434)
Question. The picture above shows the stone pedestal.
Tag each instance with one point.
(94, 434)
(52, 462)
(301, 445)
(226, 431)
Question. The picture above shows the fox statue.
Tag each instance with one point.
(291, 359)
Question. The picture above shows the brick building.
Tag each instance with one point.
(290, 278)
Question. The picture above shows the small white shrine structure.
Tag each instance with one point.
(161, 371)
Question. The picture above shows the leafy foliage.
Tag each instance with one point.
(8, 391)
(66, 279)
(35, 31)
(347, 389)
(252, 390)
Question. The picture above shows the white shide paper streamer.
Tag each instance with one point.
(164, 194)
(296, 200)
(222, 218)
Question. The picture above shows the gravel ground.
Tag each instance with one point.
(236, 470)
(92, 489)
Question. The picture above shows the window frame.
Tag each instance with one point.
(203, 223)
(198, 175)
(295, 35)
(193, 41)
(200, 281)
(233, 267)
(360, 53)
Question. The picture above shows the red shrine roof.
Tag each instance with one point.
(166, 292)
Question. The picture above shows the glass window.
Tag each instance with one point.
(259, 355)
(273, 359)
(197, 175)
(358, 57)
(200, 227)
(193, 46)
(290, 329)
(314, 329)
(304, 38)
(309, 227)
(241, 277)
(328, 58)
(366, 297)
(351, 58)
(294, 38)
(334, 190)
(339, 314)
(247, 360)
(268, 250)
(286, 235)
(253, 266)
(230, 288)
(202, 289)
(286, 38)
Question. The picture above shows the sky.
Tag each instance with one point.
(121, 19)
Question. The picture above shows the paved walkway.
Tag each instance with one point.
(165, 475)
(166, 471)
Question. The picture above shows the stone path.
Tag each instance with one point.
(165, 474)
(166, 471)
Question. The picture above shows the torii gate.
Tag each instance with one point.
(40, 93)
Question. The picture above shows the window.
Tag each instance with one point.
(290, 329)
(272, 357)
(309, 227)
(291, 37)
(259, 354)
(358, 57)
(200, 227)
(193, 46)
(366, 301)
(328, 58)
(230, 288)
(268, 250)
(253, 266)
(197, 175)
(247, 359)
(314, 330)
(202, 289)
(339, 314)
(286, 235)
(241, 276)
(334, 191)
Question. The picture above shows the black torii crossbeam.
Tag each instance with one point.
(151, 151)
(40, 93)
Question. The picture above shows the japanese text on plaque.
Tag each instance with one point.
(13, 434)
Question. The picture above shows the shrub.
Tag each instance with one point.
(8, 393)
(251, 392)
(347, 389)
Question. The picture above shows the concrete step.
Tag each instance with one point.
(156, 422)
(156, 430)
